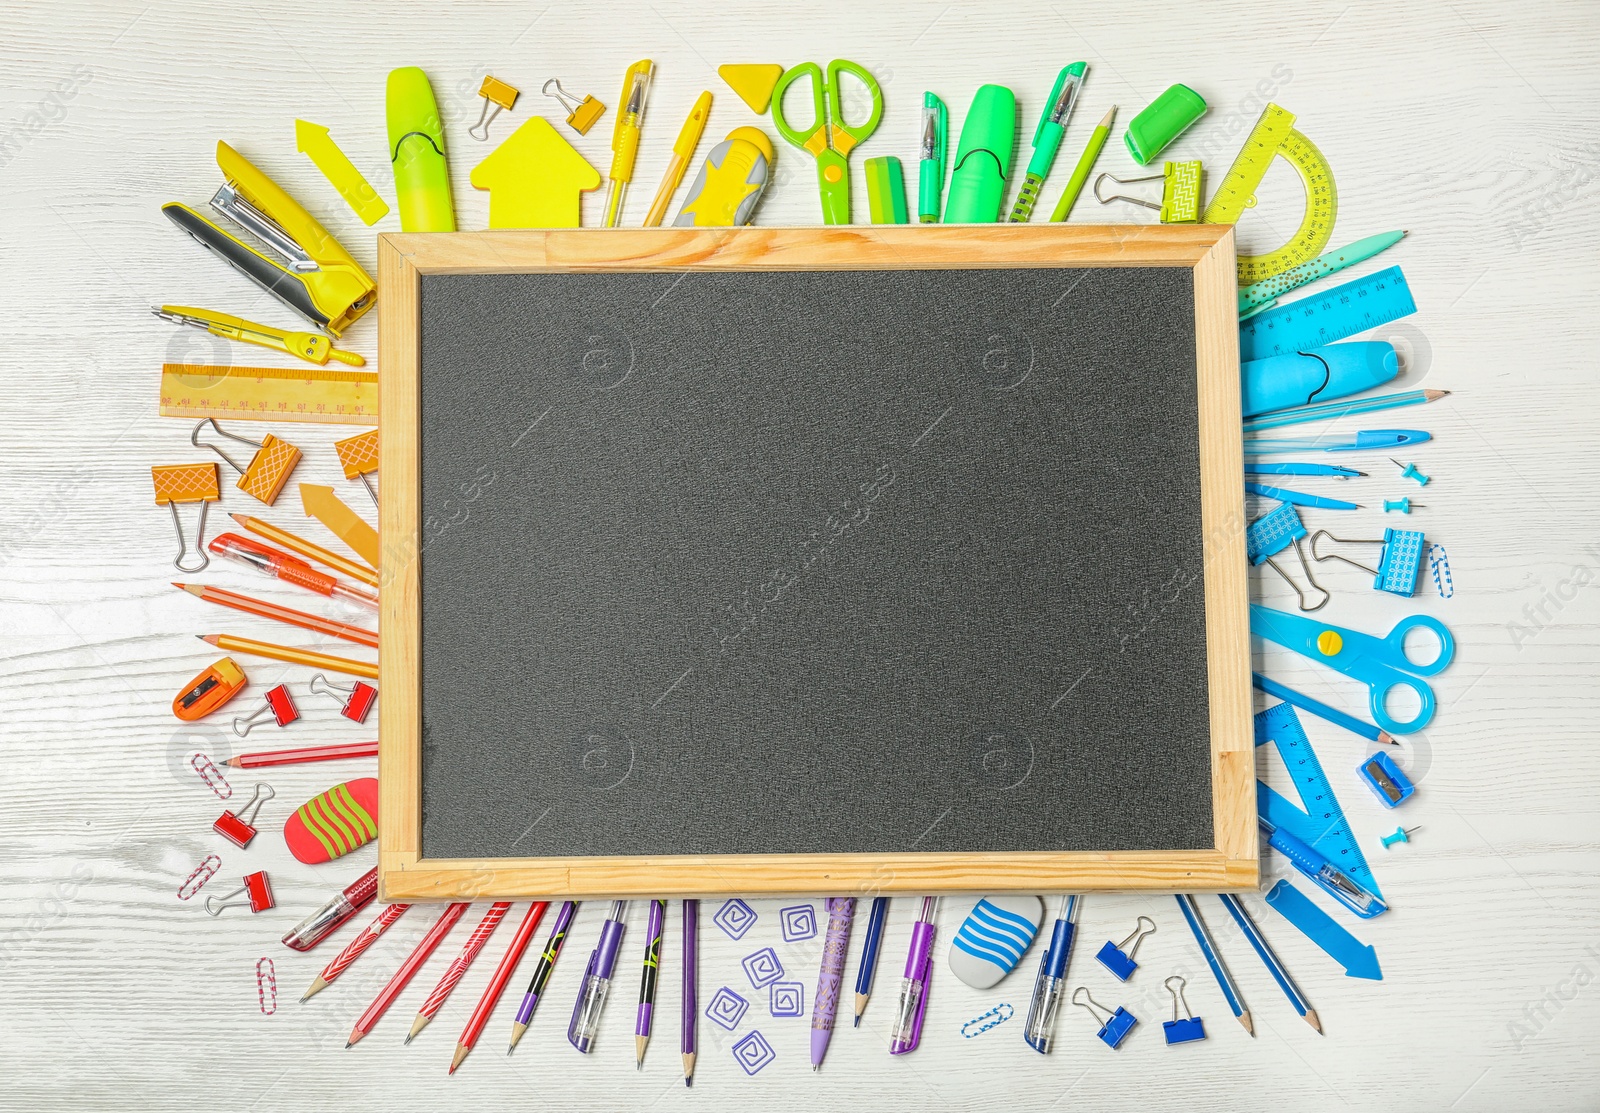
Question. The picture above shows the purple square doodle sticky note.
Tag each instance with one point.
(753, 1052)
(726, 1008)
(787, 999)
(735, 917)
(763, 967)
(799, 922)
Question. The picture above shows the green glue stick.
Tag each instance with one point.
(416, 147)
(983, 158)
(1047, 138)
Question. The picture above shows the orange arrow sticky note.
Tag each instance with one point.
(345, 524)
(535, 179)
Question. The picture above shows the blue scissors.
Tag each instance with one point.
(1380, 663)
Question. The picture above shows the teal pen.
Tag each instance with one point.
(1047, 138)
(1315, 502)
(1264, 294)
(934, 150)
(1337, 471)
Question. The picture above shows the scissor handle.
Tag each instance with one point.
(1396, 641)
(856, 132)
(802, 139)
(1380, 695)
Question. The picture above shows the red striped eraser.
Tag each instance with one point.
(333, 823)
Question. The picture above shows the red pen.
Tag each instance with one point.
(321, 923)
(497, 983)
(408, 968)
(304, 754)
(290, 569)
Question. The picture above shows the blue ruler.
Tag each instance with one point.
(1366, 302)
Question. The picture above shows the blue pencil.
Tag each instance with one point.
(1274, 967)
(1209, 949)
(1322, 710)
(869, 955)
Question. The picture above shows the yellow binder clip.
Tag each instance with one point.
(581, 115)
(497, 95)
(269, 469)
(177, 483)
(1180, 192)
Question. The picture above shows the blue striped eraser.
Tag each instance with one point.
(993, 938)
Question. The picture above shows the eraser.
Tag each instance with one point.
(993, 938)
(333, 823)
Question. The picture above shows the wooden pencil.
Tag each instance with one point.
(293, 656)
(302, 754)
(225, 598)
(310, 550)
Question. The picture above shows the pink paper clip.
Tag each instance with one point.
(280, 707)
(239, 828)
(267, 985)
(211, 775)
(258, 894)
(205, 871)
(357, 698)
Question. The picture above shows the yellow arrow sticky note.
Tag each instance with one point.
(535, 179)
(345, 524)
(313, 141)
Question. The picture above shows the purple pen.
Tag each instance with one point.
(585, 1023)
(907, 1030)
(647, 986)
(841, 910)
(541, 972)
(691, 980)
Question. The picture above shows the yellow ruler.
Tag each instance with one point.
(269, 393)
(1274, 136)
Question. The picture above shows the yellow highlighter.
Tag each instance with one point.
(625, 137)
(682, 152)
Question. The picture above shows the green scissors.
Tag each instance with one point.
(829, 138)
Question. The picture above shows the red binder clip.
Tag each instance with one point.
(357, 698)
(279, 705)
(239, 828)
(257, 890)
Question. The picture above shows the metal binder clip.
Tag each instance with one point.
(1184, 1029)
(258, 895)
(1274, 532)
(1180, 192)
(581, 115)
(177, 483)
(1399, 561)
(497, 95)
(269, 468)
(239, 827)
(1118, 957)
(280, 707)
(1115, 1027)
(357, 698)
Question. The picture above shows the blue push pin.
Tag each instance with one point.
(1401, 834)
(1409, 471)
(1118, 957)
(1115, 1027)
(1402, 505)
(1189, 1027)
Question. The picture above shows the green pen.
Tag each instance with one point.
(1047, 138)
(416, 147)
(935, 148)
(983, 158)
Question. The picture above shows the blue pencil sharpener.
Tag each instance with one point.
(1386, 779)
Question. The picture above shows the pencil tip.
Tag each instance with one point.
(857, 1024)
(1311, 1019)
(408, 1040)
(349, 1045)
(689, 1081)
(1249, 1026)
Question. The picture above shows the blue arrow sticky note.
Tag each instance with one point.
(1360, 960)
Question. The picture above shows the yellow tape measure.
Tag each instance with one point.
(269, 394)
(1274, 136)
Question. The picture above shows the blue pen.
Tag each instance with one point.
(1209, 949)
(1052, 979)
(1258, 467)
(1311, 862)
(869, 956)
(1366, 438)
(585, 1023)
(1268, 956)
(1316, 502)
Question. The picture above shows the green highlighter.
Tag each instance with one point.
(1047, 138)
(983, 158)
(416, 147)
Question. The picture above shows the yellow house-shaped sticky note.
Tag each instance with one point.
(535, 179)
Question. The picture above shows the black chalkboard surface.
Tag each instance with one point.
(835, 562)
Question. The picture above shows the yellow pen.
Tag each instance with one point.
(625, 136)
(682, 152)
(305, 345)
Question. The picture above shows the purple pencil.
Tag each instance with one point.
(541, 972)
(691, 978)
(647, 986)
(841, 910)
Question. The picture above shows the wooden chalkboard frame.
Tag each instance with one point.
(1206, 250)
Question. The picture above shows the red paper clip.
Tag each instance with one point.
(258, 894)
(239, 828)
(280, 707)
(211, 775)
(205, 871)
(267, 985)
(357, 698)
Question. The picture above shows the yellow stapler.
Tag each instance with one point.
(316, 278)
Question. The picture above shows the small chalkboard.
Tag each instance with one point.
(812, 560)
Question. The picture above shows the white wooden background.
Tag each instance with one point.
(1471, 124)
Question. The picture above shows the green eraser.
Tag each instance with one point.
(886, 191)
(416, 147)
(1167, 117)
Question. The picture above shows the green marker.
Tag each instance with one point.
(416, 147)
(983, 158)
(1047, 138)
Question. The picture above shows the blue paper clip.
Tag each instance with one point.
(1187, 1028)
(1274, 532)
(1115, 1027)
(1118, 957)
(1386, 779)
(1399, 561)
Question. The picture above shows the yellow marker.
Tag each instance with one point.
(535, 179)
(625, 137)
(313, 141)
(308, 346)
(345, 524)
(682, 152)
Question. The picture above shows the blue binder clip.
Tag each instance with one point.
(1118, 957)
(1185, 1029)
(1386, 779)
(1115, 1027)
(1399, 561)
(1270, 535)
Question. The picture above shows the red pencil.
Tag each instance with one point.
(497, 983)
(475, 941)
(407, 969)
(223, 597)
(304, 754)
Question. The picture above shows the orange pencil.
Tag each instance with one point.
(224, 597)
(293, 656)
(311, 551)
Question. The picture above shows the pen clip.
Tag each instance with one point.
(583, 995)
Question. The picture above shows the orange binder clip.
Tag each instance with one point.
(177, 483)
(358, 456)
(269, 469)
